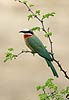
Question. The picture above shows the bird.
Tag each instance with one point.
(36, 46)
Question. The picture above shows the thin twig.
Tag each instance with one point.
(49, 38)
(51, 94)
(24, 51)
(61, 69)
(51, 45)
(32, 12)
(44, 91)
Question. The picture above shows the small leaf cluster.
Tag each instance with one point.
(48, 34)
(9, 55)
(30, 16)
(24, 1)
(65, 92)
(50, 91)
(48, 15)
(37, 12)
(31, 5)
(48, 84)
(36, 28)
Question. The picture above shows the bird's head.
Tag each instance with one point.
(26, 32)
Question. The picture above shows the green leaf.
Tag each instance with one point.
(36, 28)
(24, 1)
(38, 88)
(67, 89)
(43, 87)
(44, 96)
(63, 91)
(48, 34)
(37, 12)
(9, 55)
(59, 96)
(50, 84)
(31, 5)
(10, 49)
(6, 59)
(48, 15)
(30, 16)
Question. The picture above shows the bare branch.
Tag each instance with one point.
(61, 69)
(23, 51)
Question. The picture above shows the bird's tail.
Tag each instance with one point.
(52, 68)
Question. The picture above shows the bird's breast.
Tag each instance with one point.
(27, 35)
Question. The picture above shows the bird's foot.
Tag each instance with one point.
(33, 53)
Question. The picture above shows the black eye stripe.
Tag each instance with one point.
(31, 32)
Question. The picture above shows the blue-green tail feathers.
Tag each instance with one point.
(52, 68)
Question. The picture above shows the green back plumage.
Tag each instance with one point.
(35, 44)
(38, 47)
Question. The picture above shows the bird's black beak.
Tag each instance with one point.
(21, 31)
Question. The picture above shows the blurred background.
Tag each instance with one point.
(18, 78)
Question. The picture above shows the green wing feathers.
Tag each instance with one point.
(35, 44)
(52, 67)
(38, 47)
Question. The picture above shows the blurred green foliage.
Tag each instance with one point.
(51, 91)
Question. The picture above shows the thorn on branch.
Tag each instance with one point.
(28, 9)
(48, 29)
(35, 15)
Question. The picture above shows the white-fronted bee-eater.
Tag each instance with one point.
(34, 43)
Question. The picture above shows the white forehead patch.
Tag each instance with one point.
(26, 29)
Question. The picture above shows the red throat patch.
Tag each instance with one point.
(27, 35)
